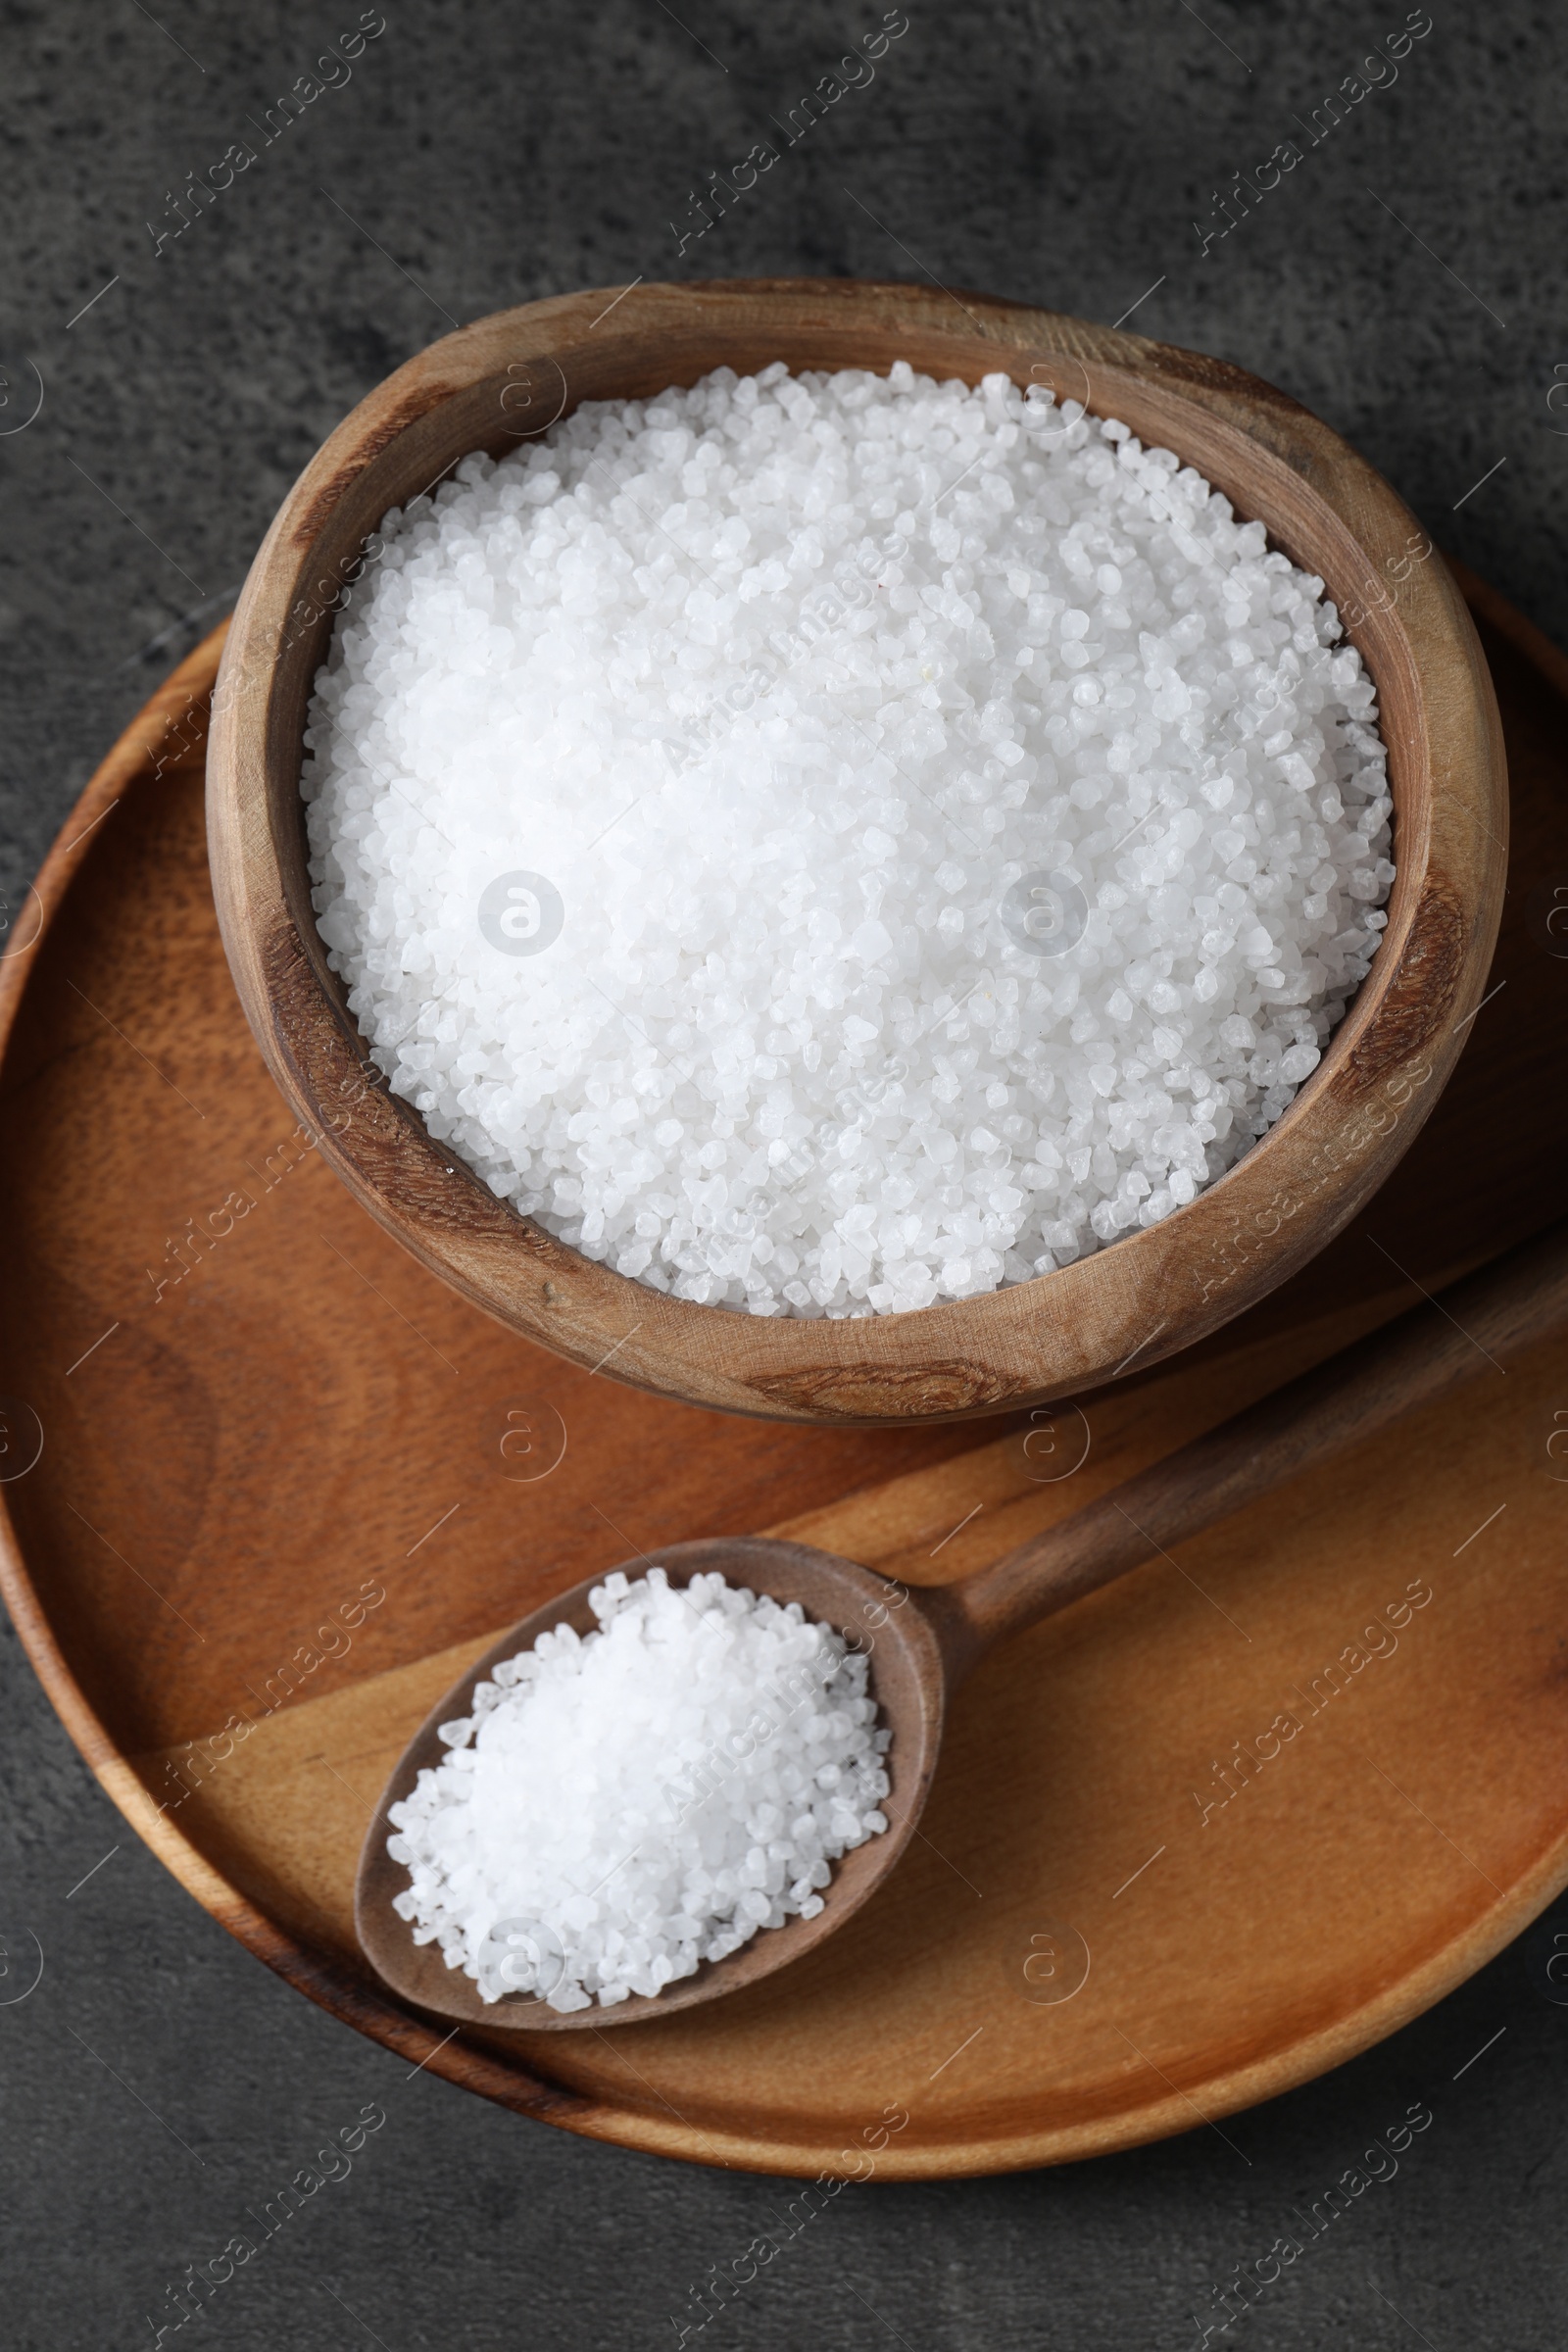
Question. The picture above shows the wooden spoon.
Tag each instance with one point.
(925, 1646)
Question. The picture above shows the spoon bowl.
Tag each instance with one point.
(922, 1646)
(910, 1685)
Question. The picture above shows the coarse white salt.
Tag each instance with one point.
(623, 1806)
(827, 844)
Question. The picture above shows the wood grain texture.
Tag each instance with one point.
(1152, 1293)
(297, 1415)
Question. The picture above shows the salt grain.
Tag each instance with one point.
(827, 844)
(621, 1806)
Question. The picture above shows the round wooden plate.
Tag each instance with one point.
(1198, 1839)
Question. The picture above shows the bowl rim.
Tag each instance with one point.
(1010, 1349)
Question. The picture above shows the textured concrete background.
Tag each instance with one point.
(1405, 281)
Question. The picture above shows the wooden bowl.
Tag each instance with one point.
(1151, 1291)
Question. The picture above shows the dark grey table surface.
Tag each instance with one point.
(1405, 279)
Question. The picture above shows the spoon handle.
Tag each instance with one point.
(1471, 1332)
